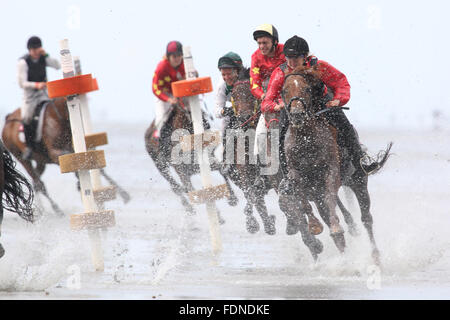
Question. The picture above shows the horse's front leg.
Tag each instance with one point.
(326, 205)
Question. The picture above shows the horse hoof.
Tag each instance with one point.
(339, 240)
(269, 225)
(291, 227)
(316, 247)
(233, 201)
(314, 225)
(353, 230)
(190, 211)
(252, 224)
(376, 257)
(2, 251)
(221, 220)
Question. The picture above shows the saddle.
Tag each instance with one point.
(33, 130)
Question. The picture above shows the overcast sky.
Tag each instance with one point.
(395, 54)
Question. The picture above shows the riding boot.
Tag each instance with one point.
(28, 132)
(346, 136)
(284, 123)
(354, 148)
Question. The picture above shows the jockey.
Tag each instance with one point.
(230, 65)
(336, 93)
(170, 69)
(264, 60)
(32, 78)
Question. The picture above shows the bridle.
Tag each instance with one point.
(304, 114)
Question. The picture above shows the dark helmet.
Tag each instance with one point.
(174, 47)
(266, 30)
(34, 43)
(230, 60)
(295, 47)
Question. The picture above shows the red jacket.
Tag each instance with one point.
(330, 76)
(262, 67)
(164, 75)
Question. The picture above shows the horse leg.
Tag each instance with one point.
(268, 220)
(327, 210)
(125, 195)
(289, 205)
(352, 228)
(362, 194)
(40, 168)
(232, 200)
(251, 223)
(314, 225)
(176, 188)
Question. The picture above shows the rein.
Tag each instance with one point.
(302, 100)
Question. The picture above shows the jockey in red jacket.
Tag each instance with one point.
(264, 60)
(336, 93)
(170, 69)
(268, 57)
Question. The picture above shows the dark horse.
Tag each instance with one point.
(56, 141)
(244, 175)
(242, 171)
(16, 192)
(314, 162)
(179, 118)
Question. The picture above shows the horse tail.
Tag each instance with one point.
(372, 166)
(18, 193)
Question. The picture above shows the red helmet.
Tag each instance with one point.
(174, 47)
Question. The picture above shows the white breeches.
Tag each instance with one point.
(161, 113)
(260, 135)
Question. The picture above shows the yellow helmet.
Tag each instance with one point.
(266, 30)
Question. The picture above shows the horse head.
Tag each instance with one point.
(244, 103)
(301, 93)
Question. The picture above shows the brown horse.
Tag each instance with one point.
(314, 162)
(244, 175)
(56, 140)
(243, 171)
(16, 193)
(179, 121)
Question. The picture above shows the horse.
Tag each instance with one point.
(179, 118)
(16, 193)
(315, 159)
(56, 141)
(246, 113)
(242, 124)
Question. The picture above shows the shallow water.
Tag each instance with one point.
(156, 251)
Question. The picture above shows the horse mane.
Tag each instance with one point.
(311, 73)
(244, 74)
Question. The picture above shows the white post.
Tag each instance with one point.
(87, 123)
(78, 135)
(205, 170)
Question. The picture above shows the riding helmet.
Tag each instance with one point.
(295, 47)
(174, 47)
(230, 60)
(34, 43)
(266, 30)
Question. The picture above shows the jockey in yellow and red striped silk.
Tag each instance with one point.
(264, 60)
(170, 69)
